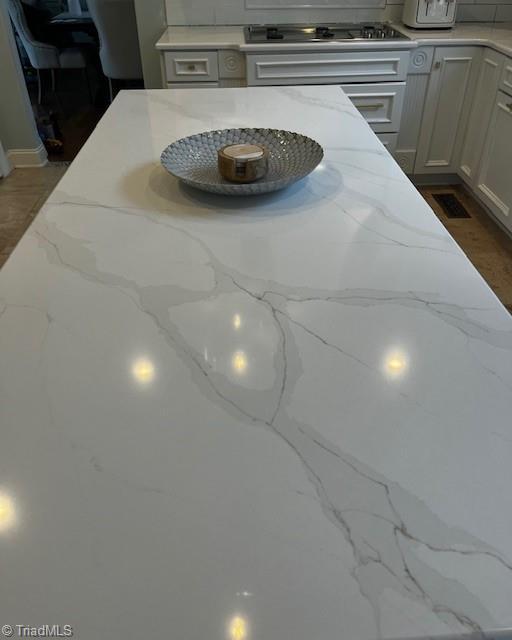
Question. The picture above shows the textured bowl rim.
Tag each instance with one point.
(244, 188)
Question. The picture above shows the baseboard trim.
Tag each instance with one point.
(28, 157)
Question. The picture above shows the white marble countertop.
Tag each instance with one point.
(201, 38)
(280, 417)
(218, 37)
(495, 35)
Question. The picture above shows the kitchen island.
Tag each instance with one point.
(286, 416)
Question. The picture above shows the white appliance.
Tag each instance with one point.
(429, 14)
(5, 166)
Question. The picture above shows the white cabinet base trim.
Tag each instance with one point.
(499, 204)
(28, 157)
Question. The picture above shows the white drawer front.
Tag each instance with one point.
(325, 68)
(389, 140)
(193, 85)
(191, 66)
(379, 104)
(506, 78)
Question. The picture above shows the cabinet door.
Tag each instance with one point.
(447, 105)
(485, 96)
(494, 184)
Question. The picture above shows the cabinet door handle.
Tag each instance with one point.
(375, 106)
(437, 65)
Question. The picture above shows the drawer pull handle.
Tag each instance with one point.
(371, 107)
(191, 67)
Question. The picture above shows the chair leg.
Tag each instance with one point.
(111, 90)
(53, 80)
(88, 85)
(39, 87)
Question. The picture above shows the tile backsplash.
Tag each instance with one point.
(225, 12)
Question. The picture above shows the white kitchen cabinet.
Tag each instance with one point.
(489, 75)
(448, 101)
(199, 69)
(506, 77)
(389, 140)
(326, 68)
(380, 104)
(494, 183)
(192, 66)
(193, 85)
(420, 65)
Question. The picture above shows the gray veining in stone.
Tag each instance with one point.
(281, 418)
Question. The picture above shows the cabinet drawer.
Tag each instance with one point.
(389, 140)
(379, 104)
(325, 68)
(506, 78)
(193, 85)
(191, 66)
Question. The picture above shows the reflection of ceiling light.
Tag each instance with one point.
(7, 512)
(396, 364)
(238, 628)
(237, 321)
(239, 362)
(143, 370)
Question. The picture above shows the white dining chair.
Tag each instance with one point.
(116, 23)
(43, 55)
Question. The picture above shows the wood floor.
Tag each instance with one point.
(482, 240)
(488, 247)
(22, 194)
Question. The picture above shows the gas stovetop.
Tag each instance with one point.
(285, 33)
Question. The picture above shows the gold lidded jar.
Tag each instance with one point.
(243, 163)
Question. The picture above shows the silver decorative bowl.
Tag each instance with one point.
(194, 159)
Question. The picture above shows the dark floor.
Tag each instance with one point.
(71, 112)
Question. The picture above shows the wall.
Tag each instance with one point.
(183, 12)
(278, 11)
(482, 11)
(18, 132)
(150, 24)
